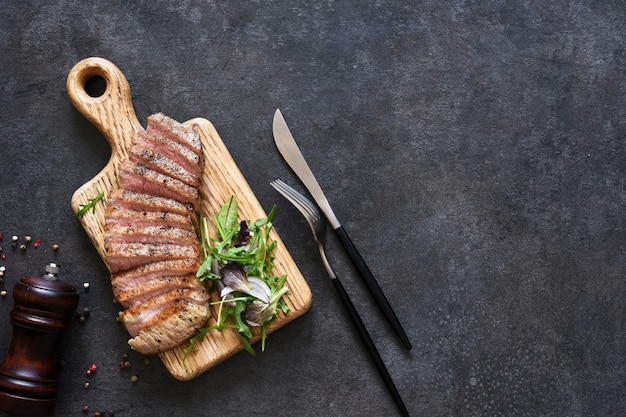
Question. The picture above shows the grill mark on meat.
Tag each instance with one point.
(121, 216)
(162, 164)
(140, 178)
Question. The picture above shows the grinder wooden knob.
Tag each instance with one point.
(44, 308)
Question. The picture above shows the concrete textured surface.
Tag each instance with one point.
(475, 151)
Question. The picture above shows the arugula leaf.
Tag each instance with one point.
(84, 208)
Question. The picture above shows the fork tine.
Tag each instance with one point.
(298, 197)
(287, 192)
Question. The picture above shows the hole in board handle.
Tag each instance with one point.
(95, 86)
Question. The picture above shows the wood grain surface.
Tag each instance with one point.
(114, 115)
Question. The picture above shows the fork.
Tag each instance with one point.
(317, 224)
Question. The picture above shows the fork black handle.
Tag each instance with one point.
(372, 286)
(369, 344)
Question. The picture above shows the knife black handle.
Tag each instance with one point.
(372, 285)
(369, 344)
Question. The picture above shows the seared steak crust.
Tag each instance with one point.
(150, 237)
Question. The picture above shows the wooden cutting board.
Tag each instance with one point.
(114, 115)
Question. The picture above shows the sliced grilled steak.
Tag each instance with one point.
(150, 237)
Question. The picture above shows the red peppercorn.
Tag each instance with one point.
(88, 372)
(85, 408)
(93, 367)
(1, 236)
(122, 366)
(4, 256)
(37, 243)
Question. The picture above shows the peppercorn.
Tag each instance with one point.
(133, 378)
(27, 239)
(97, 414)
(86, 385)
(22, 247)
(85, 408)
(14, 238)
(3, 293)
(93, 367)
(55, 247)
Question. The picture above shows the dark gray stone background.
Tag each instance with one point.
(474, 150)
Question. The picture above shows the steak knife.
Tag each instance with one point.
(288, 148)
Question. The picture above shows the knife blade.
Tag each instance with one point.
(288, 148)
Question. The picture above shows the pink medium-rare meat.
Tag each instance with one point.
(151, 244)
(186, 135)
(148, 234)
(123, 256)
(178, 322)
(139, 178)
(145, 291)
(129, 279)
(145, 202)
(120, 216)
(162, 163)
(146, 314)
(178, 153)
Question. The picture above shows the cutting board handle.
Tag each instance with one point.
(112, 112)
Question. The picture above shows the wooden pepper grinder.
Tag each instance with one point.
(44, 308)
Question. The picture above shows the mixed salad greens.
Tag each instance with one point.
(239, 264)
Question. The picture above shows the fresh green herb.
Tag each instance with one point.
(84, 208)
(239, 264)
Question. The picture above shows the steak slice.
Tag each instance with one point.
(124, 281)
(148, 234)
(176, 324)
(162, 163)
(120, 216)
(141, 179)
(146, 314)
(178, 153)
(186, 135)
(145, 202)
(143, 292)
(123, 256)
